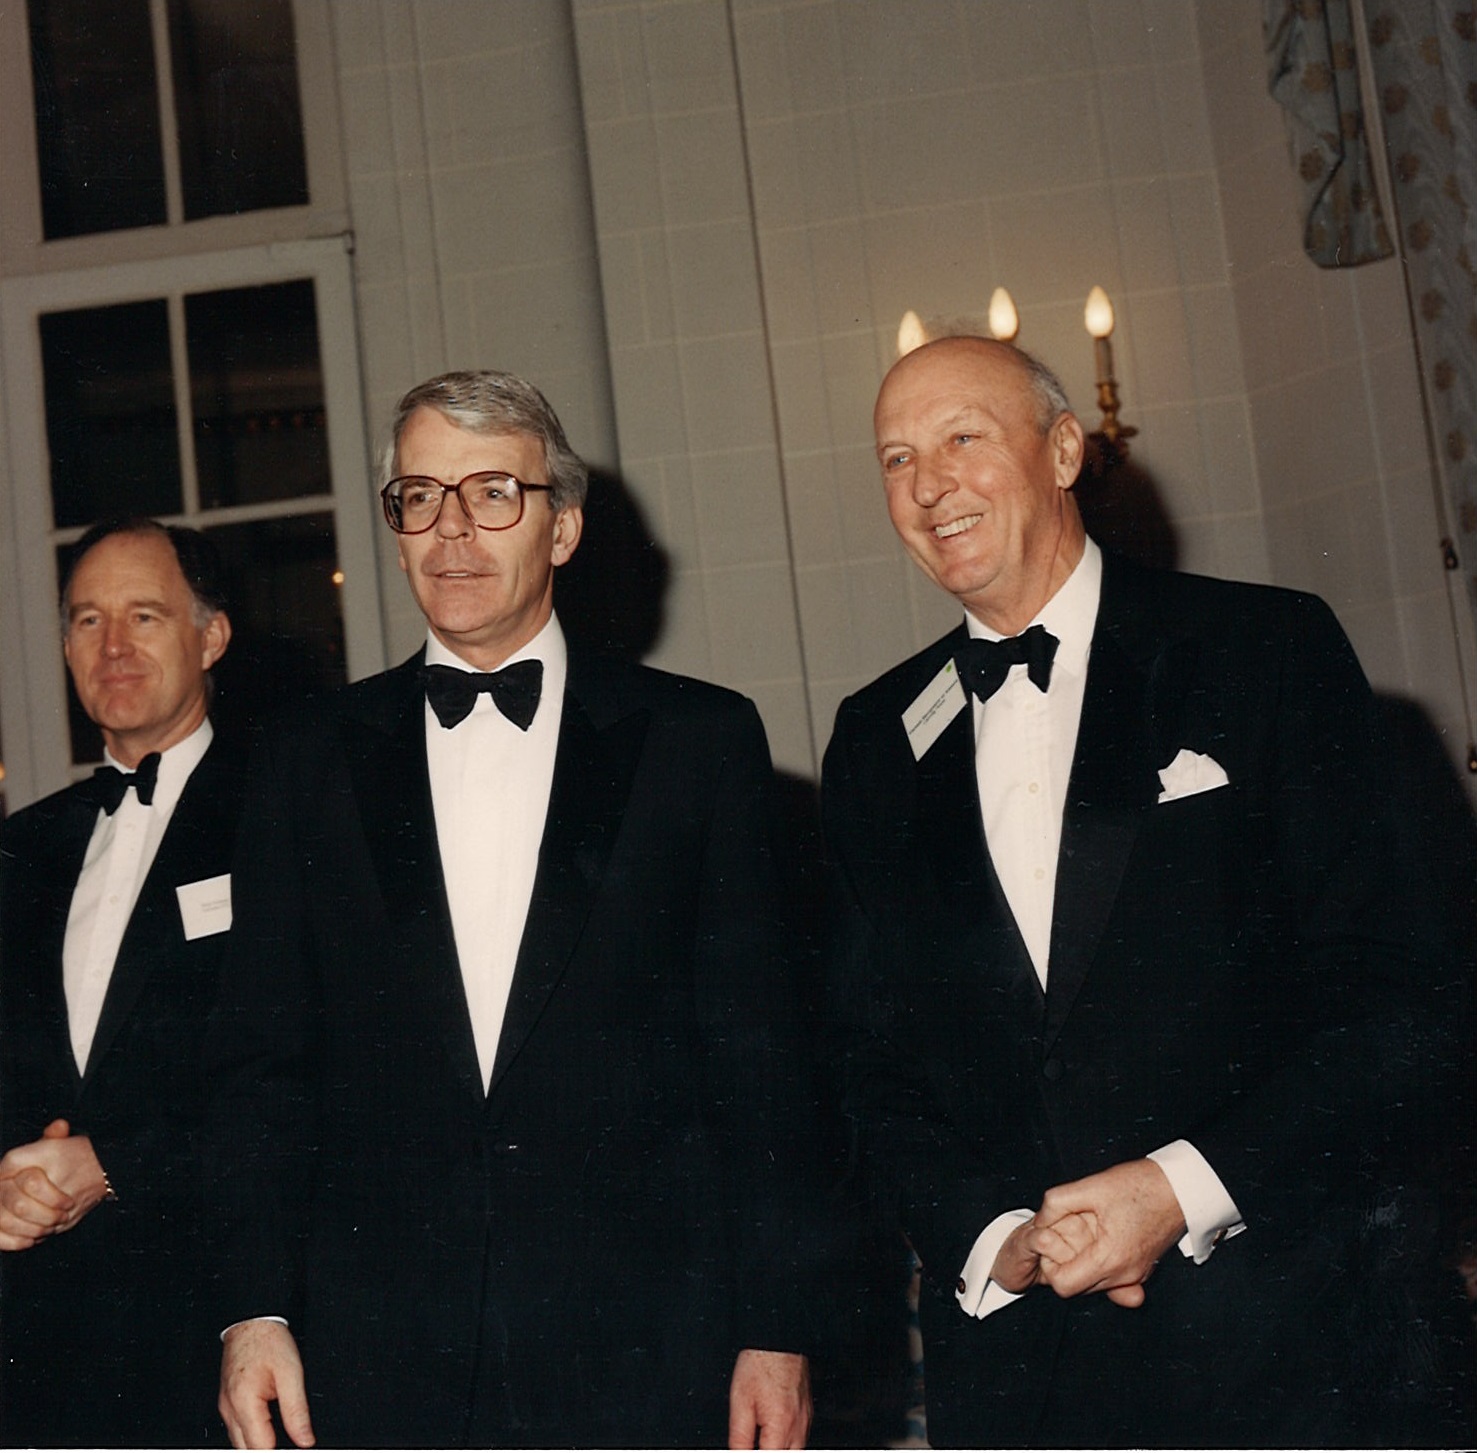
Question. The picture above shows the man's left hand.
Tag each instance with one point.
(1137, 1219)
(769, 1400)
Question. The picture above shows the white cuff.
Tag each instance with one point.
(1210, 1213)
(280, 1320)
(976, 1294)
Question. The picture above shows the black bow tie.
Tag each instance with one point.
(514, 690)
(108, 784)
(984, 665)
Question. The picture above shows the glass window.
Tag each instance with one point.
(110, 414)
(232, 136)
(238, 115)
(256, 390)
(97, 115)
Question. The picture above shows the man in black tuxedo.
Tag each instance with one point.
(1126, 977)
(114, 908)
(503, 1068)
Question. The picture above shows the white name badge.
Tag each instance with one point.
(935, 707)
(205, 907)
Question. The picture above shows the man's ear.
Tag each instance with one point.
(1068, 446)
(214, 639)
(569, 525)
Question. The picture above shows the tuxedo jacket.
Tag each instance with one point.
(105, 1329)
(1237, 968)
(575, 1256)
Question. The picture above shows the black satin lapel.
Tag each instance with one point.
(947, 828)
(976, 916)
(392, 789)
(593, 771)
(53, 882)
(196, 845)
(1114, 780)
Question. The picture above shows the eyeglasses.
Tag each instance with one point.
(491, 499)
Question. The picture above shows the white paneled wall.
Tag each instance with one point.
(696, 224)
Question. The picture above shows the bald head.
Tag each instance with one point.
(979, 452)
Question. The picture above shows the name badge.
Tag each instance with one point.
(935, 707)
(205, 907)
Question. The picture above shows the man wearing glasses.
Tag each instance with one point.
(502, 1076)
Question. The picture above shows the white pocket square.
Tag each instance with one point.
(1189, 773)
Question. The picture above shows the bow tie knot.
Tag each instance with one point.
(108, 784)
(984, 665)
(514, 691)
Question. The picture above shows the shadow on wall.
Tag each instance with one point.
(1123, 510)
(612, 594)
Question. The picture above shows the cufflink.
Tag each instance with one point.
(960, 1287)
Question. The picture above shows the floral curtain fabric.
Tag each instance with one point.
(1424, 55)
(1313, 71)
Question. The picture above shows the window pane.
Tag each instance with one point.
(237, 105)
(256, 391)
(97, 115)
(110, 417)
(287, 630)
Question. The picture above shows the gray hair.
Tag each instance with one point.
(1051, 397)
(485, 401)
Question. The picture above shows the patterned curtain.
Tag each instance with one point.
(1313, 72)
(1424, 55)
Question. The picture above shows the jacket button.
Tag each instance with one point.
(1052, 1069)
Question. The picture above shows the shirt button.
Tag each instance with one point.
(1035, 787)
(1040, 874)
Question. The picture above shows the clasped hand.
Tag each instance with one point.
(1104, 1233)
(47, 1186)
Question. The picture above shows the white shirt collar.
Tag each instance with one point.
(175, 764)
(1069, 615)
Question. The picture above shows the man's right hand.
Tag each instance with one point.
(259, 1366)
(47, 1186)
(1031, 1252)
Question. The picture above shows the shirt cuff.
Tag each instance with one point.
(1210, 1213)
(974, 1291)
(281, 1321)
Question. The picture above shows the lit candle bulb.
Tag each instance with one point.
(1005, 322)
(910, 334)
(1099, 319)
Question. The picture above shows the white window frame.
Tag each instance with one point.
(23, 250)
(33, 702)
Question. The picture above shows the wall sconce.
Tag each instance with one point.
(910, 333)
(1005, 322)
(1111, 436)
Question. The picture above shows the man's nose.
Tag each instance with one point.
(453, 522)
(932, 481)
(116, 640)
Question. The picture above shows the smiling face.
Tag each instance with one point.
(485, 593)
(977, 490)
(137, 652)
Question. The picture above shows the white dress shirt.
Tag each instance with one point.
(1025, 740)
(490, 785)
(119, 855)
